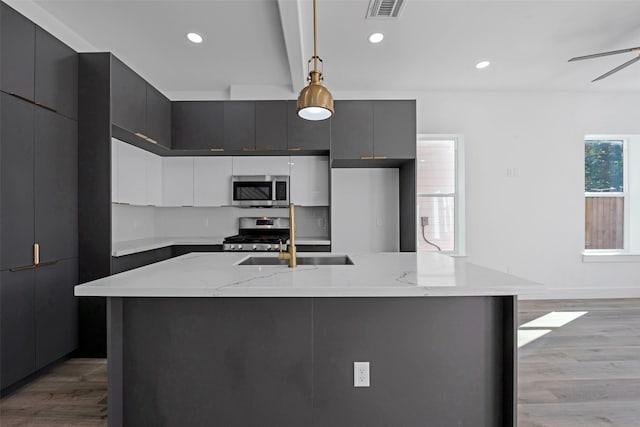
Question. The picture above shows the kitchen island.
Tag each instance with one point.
(203, 340)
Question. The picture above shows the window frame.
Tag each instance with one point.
(459, 242)
(623, 194)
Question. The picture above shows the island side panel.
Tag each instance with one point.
(114, 360)
(438, 361)
(217, 361)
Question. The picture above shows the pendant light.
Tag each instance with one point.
(315, 101)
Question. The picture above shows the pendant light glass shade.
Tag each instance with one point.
(315, 101)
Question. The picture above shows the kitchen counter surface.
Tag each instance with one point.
(373, 274)
(140, 245)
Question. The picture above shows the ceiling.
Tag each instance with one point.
(433, 45)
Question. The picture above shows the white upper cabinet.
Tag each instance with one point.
(154, 179)
(212, 181)
(261, 165)
(136, 175)
(177, 179)
(309, 182)
(114, 169)
(132, 174)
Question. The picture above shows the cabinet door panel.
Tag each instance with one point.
(17, 182)
(310, 180)
(271, 125)
(128, 98)
(154, 179)
(177, 181)
(394, 129)
(56, 185)
(56, 311)
(239, 125)
(212, 181)
(261, 165)
(306, 134)
(158, 117)
(17, 321)
(352, 130)
(56, 83)
(132, 174)
(17, 47)
(197, 125)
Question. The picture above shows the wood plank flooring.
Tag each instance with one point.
(586, 373)
(73, 393)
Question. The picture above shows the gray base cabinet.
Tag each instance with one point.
(56, 311)
(17, 335)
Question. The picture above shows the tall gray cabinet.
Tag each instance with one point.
(39, 199)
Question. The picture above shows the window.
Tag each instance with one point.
(612, 196)
(605, 196)
(439, 173)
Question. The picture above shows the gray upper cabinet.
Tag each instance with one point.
(56, 75)
(17, 182)
(271, 125)
(17, 48)
(158, 117)
(239, 125)
(56, 186)
(394, 129)
(197, 125)
(352, 130)
(374, 129)
(306, 134)
(128, 98)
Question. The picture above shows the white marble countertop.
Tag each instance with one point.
(140, 245)
(376, 274)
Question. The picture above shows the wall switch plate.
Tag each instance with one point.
(424, 221)
(361, 376)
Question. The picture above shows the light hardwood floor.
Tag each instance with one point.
(586, 373)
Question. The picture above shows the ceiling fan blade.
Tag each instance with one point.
(618, 68)
(597, 55)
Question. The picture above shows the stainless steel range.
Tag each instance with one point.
(258, 234)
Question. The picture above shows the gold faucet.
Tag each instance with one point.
(291, 251)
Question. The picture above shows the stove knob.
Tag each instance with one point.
(231, 247)
(239, 247)
(268, 247)
(254, 247)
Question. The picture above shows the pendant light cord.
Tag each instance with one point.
(315, 47)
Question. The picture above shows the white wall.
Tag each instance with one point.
(364, 210)
(532, 225)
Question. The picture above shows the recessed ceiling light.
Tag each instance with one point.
(482, 64)
(376, 37)
(194, 37)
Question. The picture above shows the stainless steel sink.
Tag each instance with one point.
(302, 260)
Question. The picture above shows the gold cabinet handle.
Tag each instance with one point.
(216, 149)
(380, 157)
(367, 158)
(36, 254)
(248, 149)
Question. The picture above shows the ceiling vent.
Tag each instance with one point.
(384, 9)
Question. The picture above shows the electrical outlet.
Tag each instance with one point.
(361, 374)
(424, 220)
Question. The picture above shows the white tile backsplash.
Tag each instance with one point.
(132, 222)
(139, 222)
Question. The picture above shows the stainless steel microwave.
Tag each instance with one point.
(260, 190)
